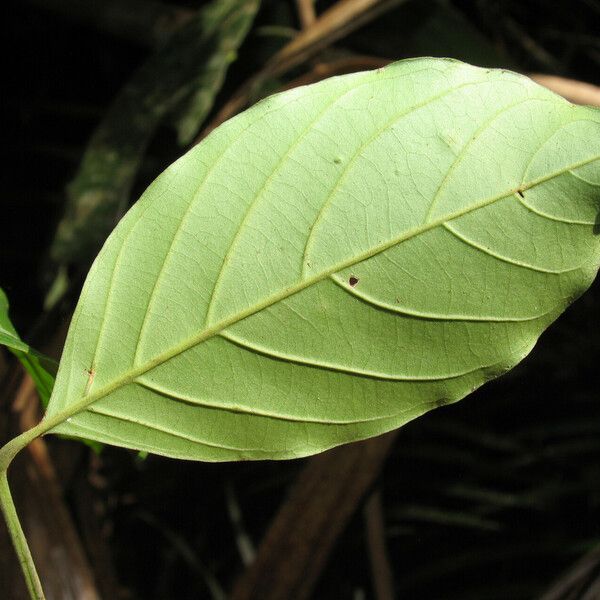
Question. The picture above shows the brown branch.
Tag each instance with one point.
(340, 20)
(303, 533)
(306, 12)
(575, 91)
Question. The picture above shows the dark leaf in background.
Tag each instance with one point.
(190, 65)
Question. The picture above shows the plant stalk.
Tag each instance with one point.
(17, 535)
(34, 585)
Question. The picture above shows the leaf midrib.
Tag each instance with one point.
(132, 374)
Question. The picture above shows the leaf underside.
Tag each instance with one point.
(334, 262)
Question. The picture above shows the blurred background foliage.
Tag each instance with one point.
(492, 498)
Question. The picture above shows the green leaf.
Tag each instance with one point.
(41, 368)
(334, 262)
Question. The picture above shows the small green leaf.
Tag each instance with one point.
(334, 262)
(8, 334)
(41, 368)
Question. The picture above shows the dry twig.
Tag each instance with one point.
(575, 91)
(306, 12)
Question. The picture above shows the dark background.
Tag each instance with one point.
(492, 498)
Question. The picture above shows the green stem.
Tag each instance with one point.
(7, 453)
(19, 541)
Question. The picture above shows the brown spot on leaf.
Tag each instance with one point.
(352, 281)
